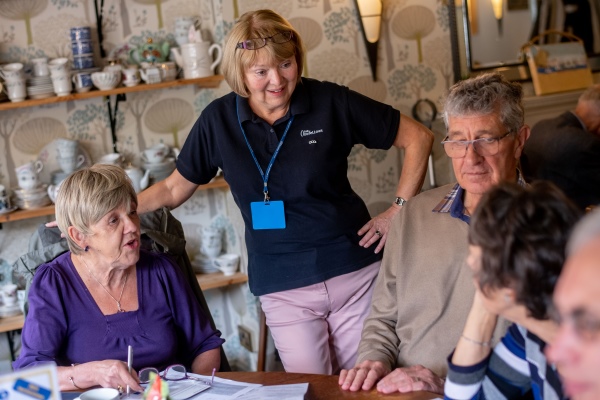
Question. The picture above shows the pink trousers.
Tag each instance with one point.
(317, 328)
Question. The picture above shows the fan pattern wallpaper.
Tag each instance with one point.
(414, 62)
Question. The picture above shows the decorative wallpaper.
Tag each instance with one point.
(414, 62)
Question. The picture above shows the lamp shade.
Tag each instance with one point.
(370, 14)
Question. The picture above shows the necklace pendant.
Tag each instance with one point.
(119, 309)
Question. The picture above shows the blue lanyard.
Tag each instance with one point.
(265, 176)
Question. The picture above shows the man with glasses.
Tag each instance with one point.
(424, 291)
(576, 348)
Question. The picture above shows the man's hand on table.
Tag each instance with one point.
(411, 379)
(363, 376)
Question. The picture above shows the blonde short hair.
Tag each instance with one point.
(258, 24)
(88, 195)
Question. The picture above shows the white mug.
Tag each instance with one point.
(100, 394)
(211, 244)
(40, 67)
(16, 90)
(61, 83)
(27, 174)
(227, 263)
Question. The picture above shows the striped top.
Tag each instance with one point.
(516, 366)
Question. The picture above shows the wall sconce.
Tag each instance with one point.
(498, 7)
(370, 21)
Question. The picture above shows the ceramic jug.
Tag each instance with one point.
(138, 178)
(150, 52)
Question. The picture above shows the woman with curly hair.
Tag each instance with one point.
(517, 241)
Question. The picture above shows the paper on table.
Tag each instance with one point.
(295, 391)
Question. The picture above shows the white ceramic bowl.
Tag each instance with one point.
(106, 80)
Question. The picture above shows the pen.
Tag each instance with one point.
(129, 362)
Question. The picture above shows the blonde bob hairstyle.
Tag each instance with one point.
(258, 24)
(88, 195)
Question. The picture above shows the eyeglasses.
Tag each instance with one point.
(483, 146)
(175, 372)
(584, 325)
(259, 43)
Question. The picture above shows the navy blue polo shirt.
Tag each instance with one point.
(323, 214)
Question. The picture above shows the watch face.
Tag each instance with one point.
(400, 201)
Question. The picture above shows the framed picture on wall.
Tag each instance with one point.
(517, 5)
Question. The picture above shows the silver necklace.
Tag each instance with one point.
(119, 309)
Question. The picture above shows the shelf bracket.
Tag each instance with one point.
(112, 117)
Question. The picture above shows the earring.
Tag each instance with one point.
(86, 248)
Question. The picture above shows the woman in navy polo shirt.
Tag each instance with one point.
(282, 142)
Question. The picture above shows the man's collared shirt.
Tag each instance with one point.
(453, 201)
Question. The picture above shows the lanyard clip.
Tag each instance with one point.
(267, 198)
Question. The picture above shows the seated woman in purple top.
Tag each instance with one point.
(89, 304)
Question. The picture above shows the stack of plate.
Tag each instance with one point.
(31, 198)
(10, 311)
(204, 265)
(160, 170)
(39, 87)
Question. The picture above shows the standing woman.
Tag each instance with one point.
(517, 249)
(282, 142)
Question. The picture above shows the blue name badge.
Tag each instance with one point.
(31, 389)
(267, 215)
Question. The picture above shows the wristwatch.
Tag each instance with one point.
(400, 201)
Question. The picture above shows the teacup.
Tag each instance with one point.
(156, 153)
(80, 47)
(66, 147)
(111, 158)
(16, 90)
(59, 65)
(131, 77)
(83, 61)
(83, 82)
(40, 66)
(27, 174)
(71, 163)
(100, 394)
(9, 294)
(228, 263)
(211, 244)
(12, 71)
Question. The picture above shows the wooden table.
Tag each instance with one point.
(321, 387)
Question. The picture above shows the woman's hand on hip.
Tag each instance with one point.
(364, 376)
(377, 229)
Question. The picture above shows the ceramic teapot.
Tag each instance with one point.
(150, 52)
(139, 178)
(150, 75)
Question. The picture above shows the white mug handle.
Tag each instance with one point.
(80, 160)
(219, 50)
(39, 166)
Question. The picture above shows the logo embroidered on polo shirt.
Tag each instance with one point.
(308, 132)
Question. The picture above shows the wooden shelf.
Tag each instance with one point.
(217, 183)
(208, 82)
(206, 281)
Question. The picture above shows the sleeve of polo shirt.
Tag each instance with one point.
(375, 124)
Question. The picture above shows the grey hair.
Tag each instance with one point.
(89, 194)
(586, 230)
(486, 94)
